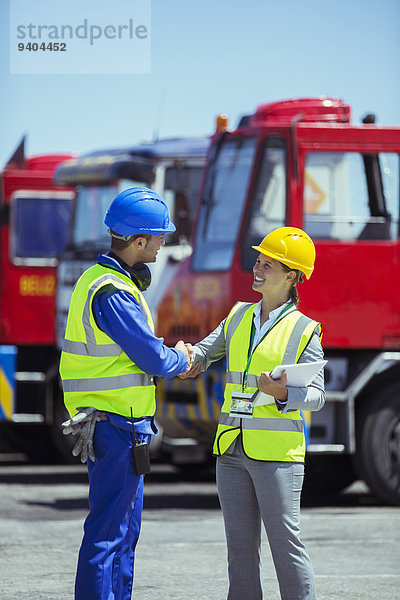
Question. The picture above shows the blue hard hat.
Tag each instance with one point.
(138, 210)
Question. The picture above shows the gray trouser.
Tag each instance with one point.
(249, 491)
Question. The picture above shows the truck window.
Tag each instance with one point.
(92, 202)
(222, 205)
(181, 191)
(40, 225)
(351, 196)
(268, 203)
(390, 170)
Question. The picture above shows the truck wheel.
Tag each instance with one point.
(377, 459)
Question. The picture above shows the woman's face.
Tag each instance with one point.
(269, 276)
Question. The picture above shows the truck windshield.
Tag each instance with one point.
(222, 204)
(92, 202)
(181, 191)
(268, 203)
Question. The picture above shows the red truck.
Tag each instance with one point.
(35, 218)
(303, 163)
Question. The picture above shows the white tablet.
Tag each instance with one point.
(299, 375)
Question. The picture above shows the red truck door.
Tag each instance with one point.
(351, 210)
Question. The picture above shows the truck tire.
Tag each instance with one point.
(377, 459)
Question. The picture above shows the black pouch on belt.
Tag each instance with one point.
(140, 451)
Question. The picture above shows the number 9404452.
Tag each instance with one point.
(49, 46)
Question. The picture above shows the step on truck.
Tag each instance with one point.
(302, 163)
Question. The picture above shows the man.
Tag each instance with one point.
(107, 365)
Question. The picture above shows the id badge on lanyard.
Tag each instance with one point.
(241, 405)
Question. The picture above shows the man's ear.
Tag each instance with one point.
(140, 242)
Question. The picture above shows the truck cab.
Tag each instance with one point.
(302, 163)
(35, 221)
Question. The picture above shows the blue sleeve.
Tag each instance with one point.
(119, 315)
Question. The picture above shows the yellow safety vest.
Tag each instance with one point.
(269, 434)
(94, 369)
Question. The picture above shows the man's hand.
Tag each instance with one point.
(190, 351)
(83, 425)
(274, 387)
(187, 350)
(191, 371)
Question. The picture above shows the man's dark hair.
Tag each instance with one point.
(117, 244)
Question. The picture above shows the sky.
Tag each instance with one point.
(207, 57)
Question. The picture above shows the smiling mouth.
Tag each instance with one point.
(258, 279)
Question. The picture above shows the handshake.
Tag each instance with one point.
(187, 349)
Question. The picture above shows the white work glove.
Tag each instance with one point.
(83, 425)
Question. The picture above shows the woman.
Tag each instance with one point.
(260, 448)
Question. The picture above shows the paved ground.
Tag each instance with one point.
(353, 540)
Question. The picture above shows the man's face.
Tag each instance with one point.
(152, 247)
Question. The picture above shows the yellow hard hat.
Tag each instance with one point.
(292, 247)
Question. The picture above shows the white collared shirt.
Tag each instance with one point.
(260, 331)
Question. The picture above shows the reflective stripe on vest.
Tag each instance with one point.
(107, 383)
(236, 377)
(262, 424)
(269, 435)
(90, 349)
(292, 347)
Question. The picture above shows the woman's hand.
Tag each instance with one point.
(191, 373)
(273, 387)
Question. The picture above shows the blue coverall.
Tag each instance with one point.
(111, 530)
